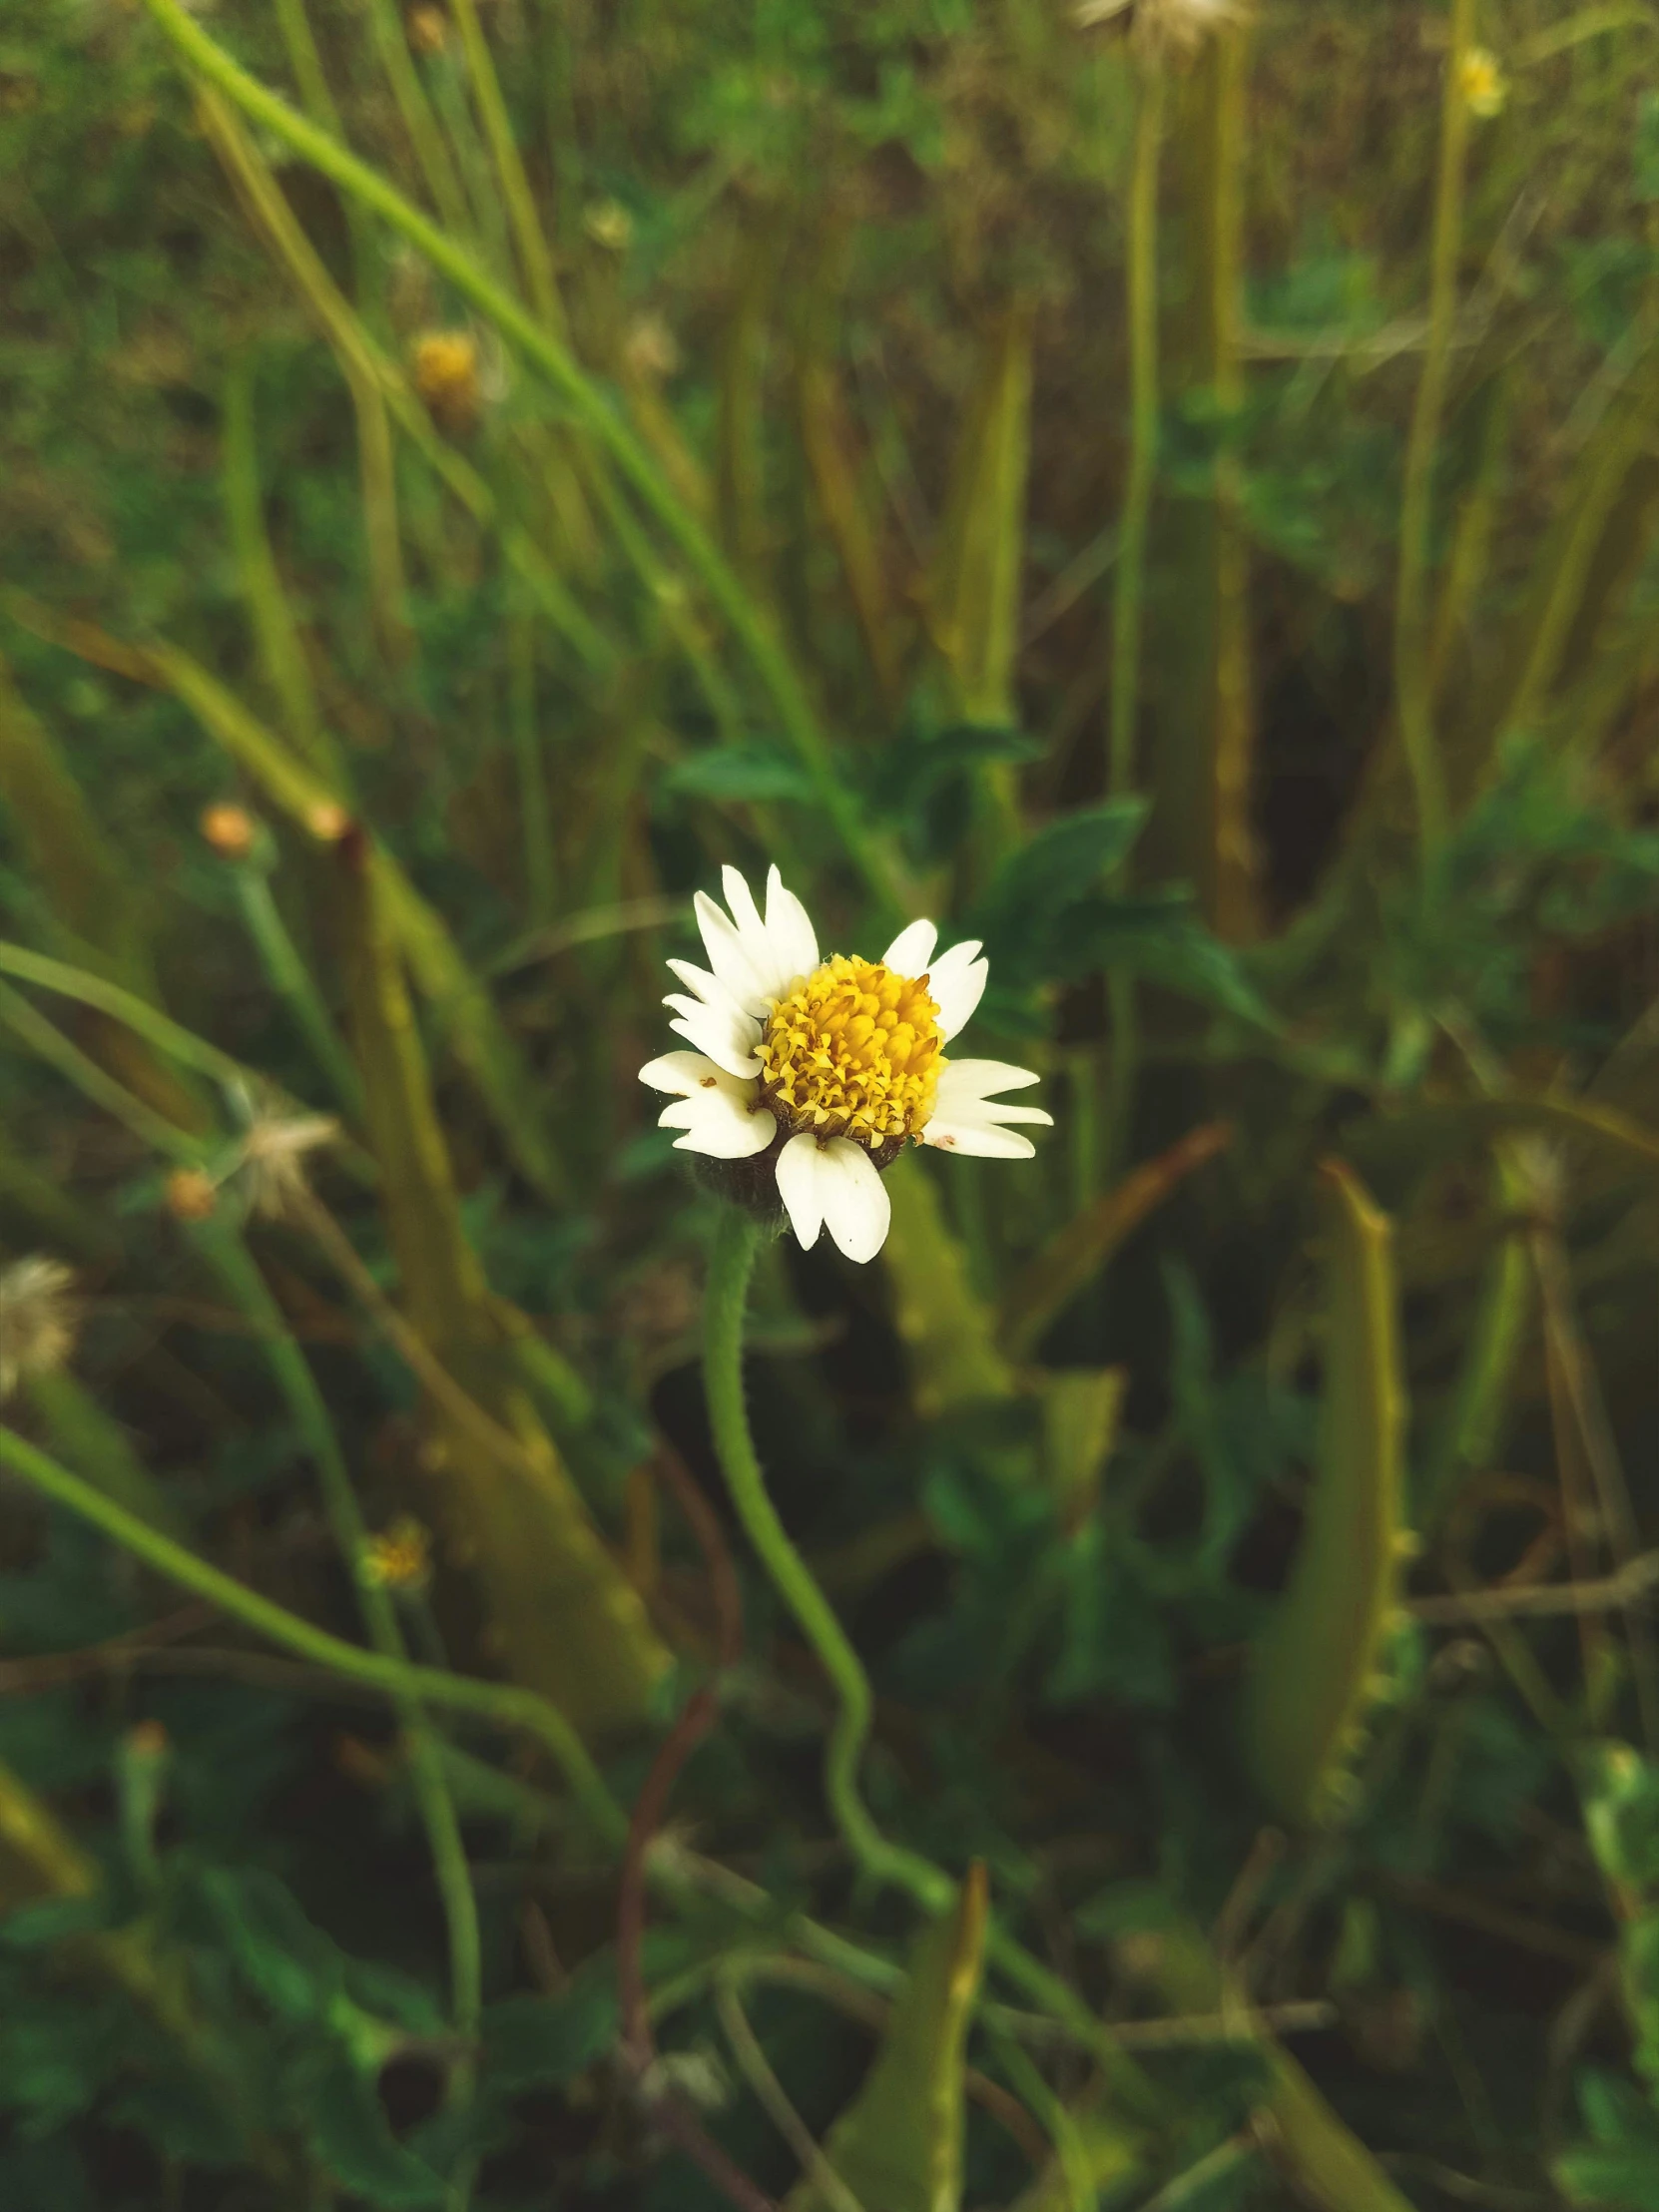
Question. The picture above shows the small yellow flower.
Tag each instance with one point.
(192, 1194)
(230, 831)
(401, 1558)
(1482, 83)
(446, 376)
(327, 821)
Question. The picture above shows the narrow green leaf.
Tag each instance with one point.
(899, 2146)
(1311, 1667)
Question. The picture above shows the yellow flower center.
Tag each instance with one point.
(853, 1051)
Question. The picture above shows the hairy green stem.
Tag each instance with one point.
(1413, 682)
(587, 404)
(731, 1264)
(499, 1702)
(737, 1239)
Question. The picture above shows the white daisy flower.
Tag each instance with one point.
(817, 1072)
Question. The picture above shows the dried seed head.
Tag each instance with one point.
(230, 831)
(38, 1319)
(274, 1158)
(1166, 26)
(609, 225)
(649, 351)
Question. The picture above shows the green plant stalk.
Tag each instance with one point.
(231, 1261)
(376, 471)
(1471, 1429)
(442, 73)
(1129, 585)
(539, 880)
(737, 1239)
(274, 624)
(587, 404)
(294, 984)
(431, 153)
(126, 1006)
(1413, 682)
(78, 1426)
(534, 256)
(346, 332)
(1129, 582)
(50, 1044)
(497, 1702)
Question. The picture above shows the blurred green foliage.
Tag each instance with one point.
(807, 419)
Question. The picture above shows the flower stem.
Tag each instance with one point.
(735, 1241)
(724, 1300)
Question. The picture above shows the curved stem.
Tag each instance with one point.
(737, 1239)
(731, 1264)
(500, 1702)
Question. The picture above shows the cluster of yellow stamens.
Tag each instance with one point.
(853, 1051)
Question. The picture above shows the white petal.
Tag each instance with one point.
(789, 926)
(857, 1208)
(725, 1032)
(680, 1072)
(773, 965)
(982, 1139)
(964, 1079)
(956, 982)
(707, 987)
(800, 1189)
(912, 949)
(728, 956)
(721, 1119)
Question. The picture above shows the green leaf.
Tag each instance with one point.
(349, 2135)
(1619, 2166)
(737, 772)
(1311, 1665)
(184, 2118)
(531, 2042)
(1053, 870)
(284, 1960)
(898, 2144)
